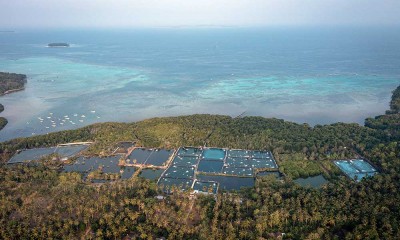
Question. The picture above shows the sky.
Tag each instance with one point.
(172, 13)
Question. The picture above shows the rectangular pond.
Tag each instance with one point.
(362, 165)
(179, 172)
(67, 151)
(185, 161)
(139, 155)
(346, 166)
(245, 172)
(181, 184)
(28, 155)
(127, 172)
(123, 147)
(228, 183)
(263, 163)
(238, 162)
(189, 151)
(261, 154)
(210, 166)
(214, 154)
(107, 164)
(159, 157)
(238, 153)
(356, 169)
(205, 187)
(110, 164)
(152, 174)
(314, 182)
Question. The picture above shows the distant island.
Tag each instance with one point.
(10, 82)
(58, 45)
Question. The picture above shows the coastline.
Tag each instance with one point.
(7, 81)
(12, 91)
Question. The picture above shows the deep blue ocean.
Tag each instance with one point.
(313, 75)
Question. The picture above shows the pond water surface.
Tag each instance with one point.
(315, 182)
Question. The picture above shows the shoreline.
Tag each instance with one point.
(7, 81)
(12, 91)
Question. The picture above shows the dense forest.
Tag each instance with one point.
(3, 122)
(11, 81)
(41, 202)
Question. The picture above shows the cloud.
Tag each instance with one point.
(153, 13)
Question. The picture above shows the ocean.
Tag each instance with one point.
(310, 74)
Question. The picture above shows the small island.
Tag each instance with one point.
(58, 45)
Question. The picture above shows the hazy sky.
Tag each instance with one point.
(155, 13)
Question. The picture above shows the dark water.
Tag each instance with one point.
(108, 164)
(185, 161)
(309, 75)
(228, 183)
(179, 172)
(68, 151)
(151, 174)
(139, 155)
(210, 166)
(206, 187)
(31, 154)
(262, 174)
(315, 182)
(168, 183)
(127, 172)
(159, 157)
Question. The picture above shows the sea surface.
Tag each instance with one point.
(313, 75)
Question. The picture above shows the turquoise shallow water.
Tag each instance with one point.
(356, 168)
(303, 75)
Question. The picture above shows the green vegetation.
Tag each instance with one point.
(40, 202)
(3, 122)
(297, 165)
(11, 81)
(100, 175)
(390, 122)
(330, 168)
(395, 102)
